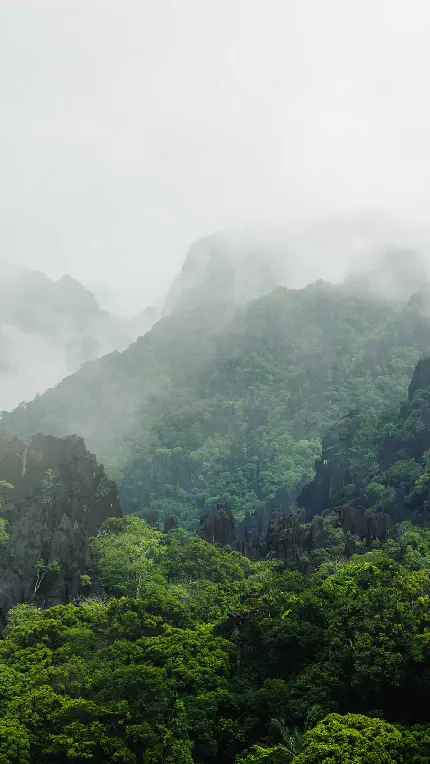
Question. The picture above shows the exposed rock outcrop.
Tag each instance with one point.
(421, 377)
(331, 470)
(218, 527)
(170, 524)
(60, 497)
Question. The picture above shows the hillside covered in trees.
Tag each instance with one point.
(218, 403)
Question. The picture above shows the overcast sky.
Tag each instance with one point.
(129, 128)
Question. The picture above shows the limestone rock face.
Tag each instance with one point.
(60, 497)
(421, 377)
(170, 524)
(219, 527)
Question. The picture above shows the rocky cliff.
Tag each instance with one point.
(59, 497)
(421, 377)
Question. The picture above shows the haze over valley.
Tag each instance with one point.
(48, 329)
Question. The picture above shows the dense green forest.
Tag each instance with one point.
(193, 654)
(217, 403)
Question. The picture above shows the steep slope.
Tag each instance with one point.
(378, 462)
(232, 267)
(215, 404)
(372, 485)
(53, 496)
(110, 401)
(286, 367)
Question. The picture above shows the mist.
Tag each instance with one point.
(25, 375)
(49, 328)
(130, 130)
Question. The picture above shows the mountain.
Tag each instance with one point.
(53, 497)
(232, 267)
(110, 399)
(223, 404)
(240, 265)
(48, 329)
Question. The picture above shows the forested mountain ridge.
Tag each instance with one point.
(223, 403)
(283, 369)
(372, 480)
(108, 399)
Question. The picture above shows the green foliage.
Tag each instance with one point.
(4, 485)
(3, 520)
(364, 618)
(126, 549)
(211, 658)
(197, 559)
(46, 490)
(352, 739)
(107, 682)
(381, 461)
(213, 404)
(3, 531)
(260, 755)
(14, 742)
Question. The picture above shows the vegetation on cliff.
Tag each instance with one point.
(215, 404)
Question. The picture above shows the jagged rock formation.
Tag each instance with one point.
(284, 536)
(60, 497)
(362, 523)
(374, 469)
(228, 267)
(152, 519)
(421, 377)
(170, 524)
(331, 473)
(218, 527)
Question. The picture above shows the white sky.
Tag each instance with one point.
(129, 128)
